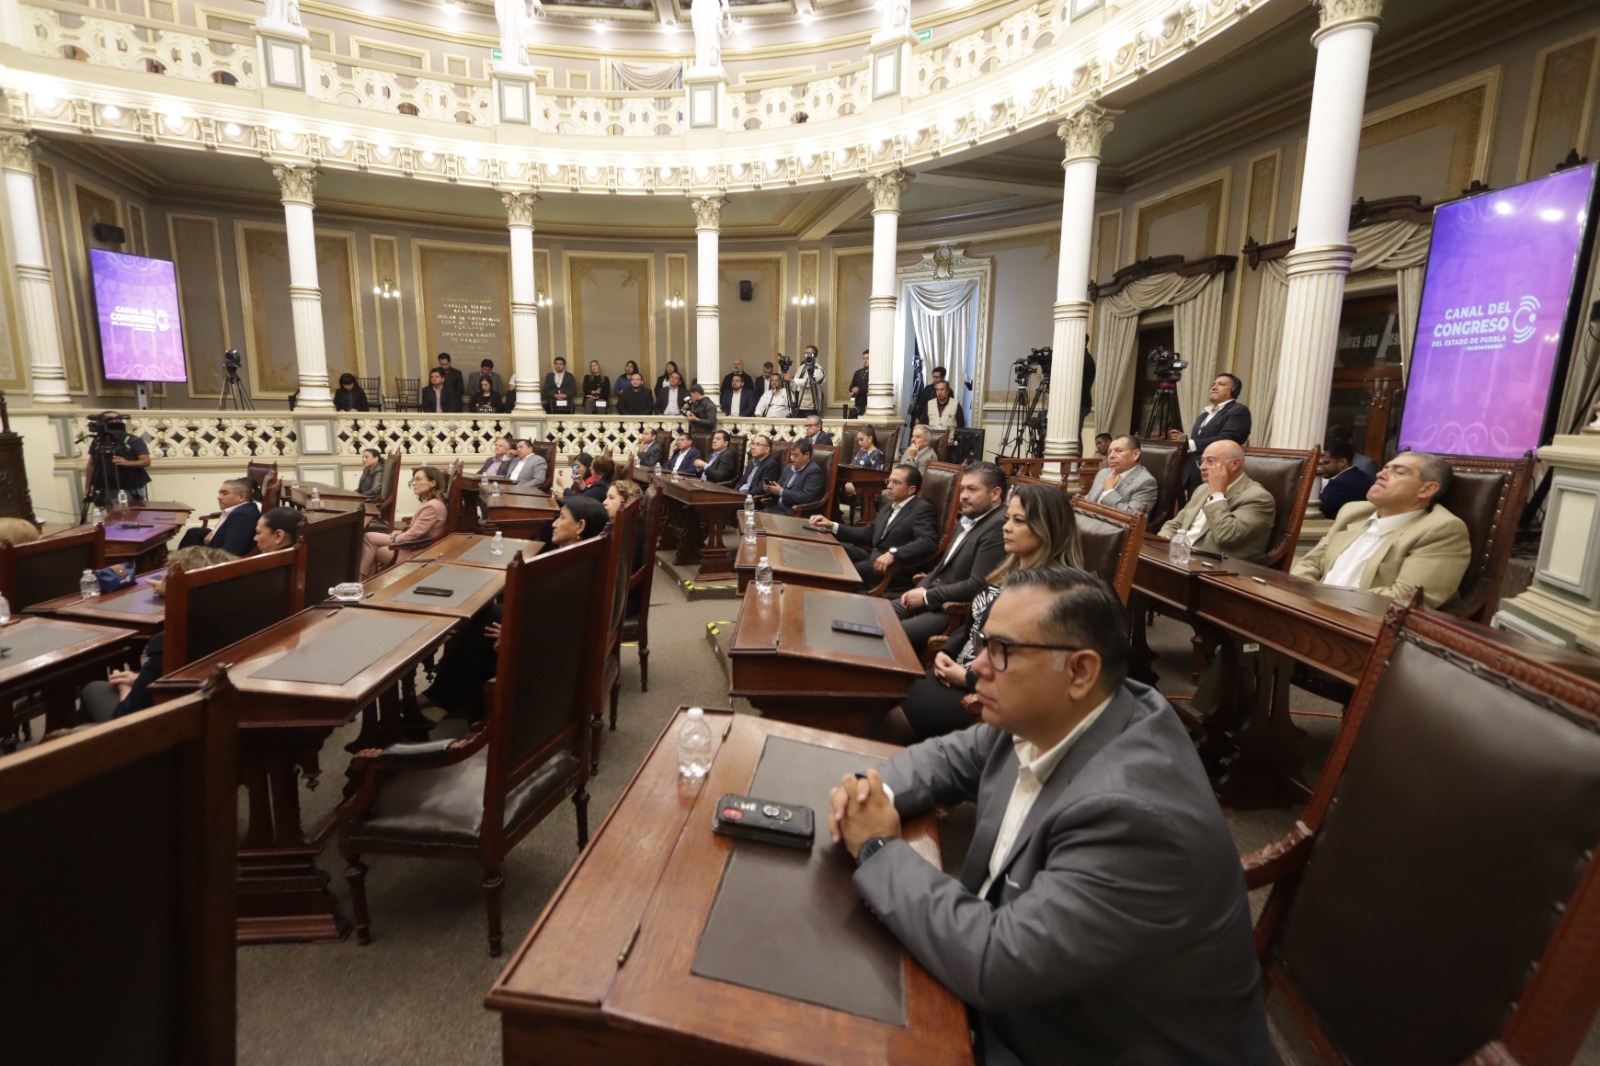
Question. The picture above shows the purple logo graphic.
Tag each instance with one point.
(1500, 275)
(137, 301)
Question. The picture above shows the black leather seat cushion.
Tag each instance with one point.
(1102, 543)
(445, 806)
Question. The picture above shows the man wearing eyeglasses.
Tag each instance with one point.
(1101, 914)
(1398, 539)
(1230, 514)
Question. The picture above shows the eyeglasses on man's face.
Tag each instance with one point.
(1000, 649)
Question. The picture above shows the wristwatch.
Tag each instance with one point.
(894, 551)
(870, 847)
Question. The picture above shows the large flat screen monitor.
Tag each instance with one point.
(1498, 317)
(137, 300)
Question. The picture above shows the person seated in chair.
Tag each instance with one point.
(499, 464)
(868, 456)
(379, 550)
(760, 467)
(618, 496)
(125, 691)
(1342, 481)
(1230, 514)
(719, 468)
(528, 467)
(683, 460)
(672, 399)
(1398, 538)
(920, 451)
(277, 529)
(815, 435)
(18, 531)
(371, 484)
(350, 396)
(1123, 483)
(900, 539)
(976, 547)
(803, 483)
(738, 398)
(236, 519)
(649, 453)
(596, 477)
(637, 400)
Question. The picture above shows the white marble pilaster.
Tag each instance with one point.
(298, 185)
(707, 313)
(1322, 252)
(525, 377)
(36, 291)
(886, 189)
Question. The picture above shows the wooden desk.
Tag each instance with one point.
(137, 608)
(472, 549)
(283, 723)
(153, 510)
(55, 657)
(507, 487)
(704, 508)
(474, 587)
(792, 528)
(787, 661)
(330, 498)
(601, 983)
(140, 539)
(796, 562)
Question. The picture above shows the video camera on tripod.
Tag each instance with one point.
(1036, 361)
(1167, 366)
(106, 431)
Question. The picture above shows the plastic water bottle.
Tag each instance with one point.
(764, 575)
(96, 515)
(749, 509)
(5, 610)
(122, 500)
(749, 529)
(315, 499)
(497, 546)
(494, 494)
(1178, 549)
(89, 585)
(694, 746)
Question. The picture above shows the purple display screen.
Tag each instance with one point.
(1495, 316)
(137, 300)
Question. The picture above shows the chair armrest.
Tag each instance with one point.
(207, 519)
(1494, 1053)
(1279, 859)
(955, 609)
(936, 644)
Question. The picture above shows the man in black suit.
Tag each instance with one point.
(1225, 418)
(636, 401)
(801, 484)
(650, 452)
(559, 388)
(900, 539)
(727, 379)
(976, 548)
(441, 397)
(719, 468)
(738, 398)
(859, 382)
(672, 399)
(236, 519)
(919, 413)
(1342, 481)
(702, 411)
(452, 376)
(815, 434)
(760, 468)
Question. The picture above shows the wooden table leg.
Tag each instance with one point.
(1141, 660)
(716, 563)
(1263, 770)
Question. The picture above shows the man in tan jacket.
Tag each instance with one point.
(1398, 539)
(1230, 513)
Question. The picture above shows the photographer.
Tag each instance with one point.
(118, 460)
(805, 384)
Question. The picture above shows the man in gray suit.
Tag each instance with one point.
(1122, 483)
(1101, 914)
(529, 467)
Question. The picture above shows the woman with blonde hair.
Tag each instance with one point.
(18, 531)
(1040, 530)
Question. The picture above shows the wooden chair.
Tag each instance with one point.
(624, 533)
(1287, 473)
(1486, 494)
(941, 486)
(456, 500)
(407, 394)
(389, 496)
(636, 626)
(1164, 459)
(333, 552)
(473, 798)
(120, 845)
(373, 387)
(1110, 540)
(211, 608)
(1076, 474)
(265, 478)
(51, 567)
(1437, 902)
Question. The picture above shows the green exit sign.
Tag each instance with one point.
(494, 53)
(924, 36)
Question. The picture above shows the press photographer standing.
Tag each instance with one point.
(806, 384)
(118, 460)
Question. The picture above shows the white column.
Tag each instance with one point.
(526, 378)
(886, 189)
(1082, 132)
(36, 290)
(1321, 258)
(305, 296)
(708, 323)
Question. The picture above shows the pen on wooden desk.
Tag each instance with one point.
(627, 948)
(729, 728)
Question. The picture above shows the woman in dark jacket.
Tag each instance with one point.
(350, 396)
(596, 390)
(487, 402)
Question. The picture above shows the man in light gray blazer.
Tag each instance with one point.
(1123, 483)
(1101, 915)
(529, 467)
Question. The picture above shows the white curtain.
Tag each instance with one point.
(943, 317)
(1196, 327)
(646, 77)
(1398, 246)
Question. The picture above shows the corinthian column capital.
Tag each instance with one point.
(296, 183)
(707, 212)
(17, 151)
(519, 207)
(1333, 13)
(1083, 131)
(886, 189)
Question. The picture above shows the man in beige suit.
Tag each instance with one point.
(1229, 513)
(1398, 539)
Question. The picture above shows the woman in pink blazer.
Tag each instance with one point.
(379, 550)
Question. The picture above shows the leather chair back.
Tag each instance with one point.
(1110, 539)
(456, 498)
(1439, 895)
(1488, 495)
(546, 448)
(701, 439)
(888, 436)
(49, 567)
(941, 487)
(389, 495)
(624, 531)
(941, 441)
(1164, 459)
(333, 552)
(209, 609)
(1287, 474)
(826, 458)
(265, 478)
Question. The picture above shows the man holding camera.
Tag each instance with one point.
(125, 459)
(806, 384)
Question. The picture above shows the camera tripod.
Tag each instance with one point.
(106, 480)
(233, 389)
(1164, 413)
(1025, 421)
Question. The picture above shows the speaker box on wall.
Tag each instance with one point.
(747, 290)
(106, 233)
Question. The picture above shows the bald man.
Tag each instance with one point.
(1229, 514)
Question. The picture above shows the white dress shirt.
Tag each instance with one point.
(222, 516)
(1199, 525)
(515, 472)
(1033, 772)
(1346, 570)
